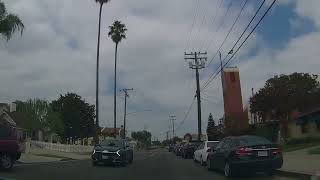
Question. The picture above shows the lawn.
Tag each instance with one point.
(314, 151)
(294, 147)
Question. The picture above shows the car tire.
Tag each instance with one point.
(94, 163)
(201, 161)
(228, 171)
(131, 161)
(209, 165)
(6, 162)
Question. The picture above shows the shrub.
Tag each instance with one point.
(304, 140)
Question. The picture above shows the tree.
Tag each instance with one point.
(144, 137)
(101, 2)
(117, 32)
(77, 115)
(9, 23)
(211, 123)
(284, 94)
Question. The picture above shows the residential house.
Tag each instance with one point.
(111, 132)
(305, 124)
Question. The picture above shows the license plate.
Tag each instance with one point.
(105, 157)
(262, 153)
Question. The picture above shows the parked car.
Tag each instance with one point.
(179, 147)
(245, 154)
(10, 150)
(171, 147)
(189, 148)
(200, 155)
(112, 151)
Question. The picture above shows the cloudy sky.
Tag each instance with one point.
(57, 51)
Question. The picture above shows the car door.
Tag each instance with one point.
(128, 151)
(197, 153)
(218, 154)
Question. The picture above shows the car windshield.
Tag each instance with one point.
(115, 143)
(253, 140)
(212, 144)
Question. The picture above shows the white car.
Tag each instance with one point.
(201, 154)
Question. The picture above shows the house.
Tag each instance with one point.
(111, 132)
(187, 137)
(305, 124)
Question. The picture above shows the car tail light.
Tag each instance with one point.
(277, 150)
(243, 151)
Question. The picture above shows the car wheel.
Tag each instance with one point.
(201, 161)
(6, 162)
(209, 164)
(228, 171)
(131, 160)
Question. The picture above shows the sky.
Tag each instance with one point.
(57, 54)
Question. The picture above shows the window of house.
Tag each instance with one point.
(233, 76)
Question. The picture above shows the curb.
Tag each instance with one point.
(299, 175)
(60, 161)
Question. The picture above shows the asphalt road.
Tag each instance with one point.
(157, 164)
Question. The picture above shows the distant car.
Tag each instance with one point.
(245, 154)
(170, 148)
(188, 149)
(179, 149)
(200, 155)
(112, 151)
(10, 150)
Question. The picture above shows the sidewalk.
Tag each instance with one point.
(301, 162)
(44, 155)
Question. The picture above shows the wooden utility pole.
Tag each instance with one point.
(126, 95)
(197, 63)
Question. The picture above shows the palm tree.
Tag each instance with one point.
(9, 23)
(117, 32)
(96, 139)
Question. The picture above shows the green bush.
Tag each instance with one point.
(304, 140)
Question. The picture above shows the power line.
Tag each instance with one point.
(213, 20)
(187, 114)
(192, 25)
(214, 75)
(230, 30)
(221, 24)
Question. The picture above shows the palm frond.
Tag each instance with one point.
(117, 31)
(9, 25)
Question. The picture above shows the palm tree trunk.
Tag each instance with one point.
(115, 91)
(97, 79)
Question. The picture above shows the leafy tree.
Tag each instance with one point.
(284, 94)
(101, 2)
(144, 137)
(77, 115)
(9, 23)
(211, 123)
(117, 32)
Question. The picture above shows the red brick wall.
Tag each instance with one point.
(233, 107)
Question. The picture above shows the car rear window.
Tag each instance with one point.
(253, 140)
(212, 144)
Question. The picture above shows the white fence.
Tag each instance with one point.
(59, 147)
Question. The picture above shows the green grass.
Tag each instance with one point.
(314, 151)
(294, 147)
(52, 156)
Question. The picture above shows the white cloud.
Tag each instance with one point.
(42, 63)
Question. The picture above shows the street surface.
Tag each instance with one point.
(156, 164)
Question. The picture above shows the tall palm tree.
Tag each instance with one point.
(96, 139)
(9, 23)
(117, 32)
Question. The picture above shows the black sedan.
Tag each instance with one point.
(112, 151)
(245, 154)
(189, 148)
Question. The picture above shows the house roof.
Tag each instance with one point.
(107, 130)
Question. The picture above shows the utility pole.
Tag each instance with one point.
(197, 63)
(172, 118)
(126, 95)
